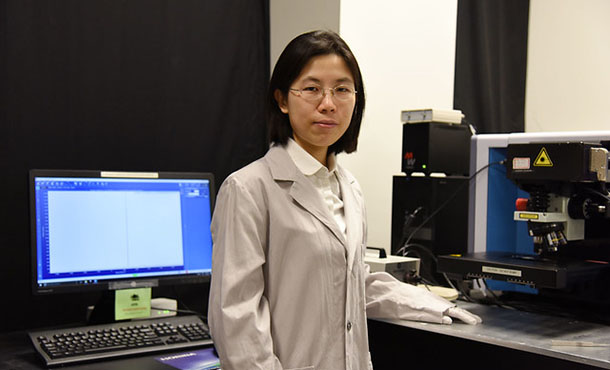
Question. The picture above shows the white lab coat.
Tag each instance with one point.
(288, 289)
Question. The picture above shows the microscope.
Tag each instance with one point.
(540, 216)
(567, 186)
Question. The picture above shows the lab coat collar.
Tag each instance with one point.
(283, 169)
(306, 163)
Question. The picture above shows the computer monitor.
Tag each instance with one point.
(99, 230)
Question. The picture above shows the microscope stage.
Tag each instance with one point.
(521, 269)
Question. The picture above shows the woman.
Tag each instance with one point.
(290, 289)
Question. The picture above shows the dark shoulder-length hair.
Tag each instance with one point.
(289, 66)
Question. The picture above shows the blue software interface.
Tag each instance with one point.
(94, 229)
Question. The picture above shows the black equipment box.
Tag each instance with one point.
(550, 161)
(436, 147)
(447, 230)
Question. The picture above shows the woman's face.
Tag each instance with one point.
(319, 123)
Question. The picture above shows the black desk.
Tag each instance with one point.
(507, 339)
(17, 353)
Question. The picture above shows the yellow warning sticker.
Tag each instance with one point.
(543, 159)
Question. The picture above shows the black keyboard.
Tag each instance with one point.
(95, 342)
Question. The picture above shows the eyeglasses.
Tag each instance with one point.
(316, 93)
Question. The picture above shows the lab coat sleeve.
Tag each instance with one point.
(238, 311)
(389, 298)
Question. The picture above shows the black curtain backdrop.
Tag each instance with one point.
(135, 85)
(491, 62)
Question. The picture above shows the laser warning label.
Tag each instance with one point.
(543, 159)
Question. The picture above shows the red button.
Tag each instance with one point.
(521, 204)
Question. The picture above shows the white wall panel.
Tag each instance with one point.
(568, 76)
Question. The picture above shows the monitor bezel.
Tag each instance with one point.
(110, 284)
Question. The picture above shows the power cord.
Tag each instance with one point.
(178, 311)
(187, 309)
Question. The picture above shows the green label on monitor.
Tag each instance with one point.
(132, 303)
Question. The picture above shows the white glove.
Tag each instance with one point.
(391, 299)
(462, 314)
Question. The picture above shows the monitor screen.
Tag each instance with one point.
(114, 230)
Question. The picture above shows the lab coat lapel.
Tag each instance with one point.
(307, 196)
(353, 217)
(302, 191)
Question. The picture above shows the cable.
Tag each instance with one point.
(449, 282)
(188, 309)
(464, 292)
(409, 217)
(598, 193)
(428, 269)
(496, 300)
(470, 125)
(177, 310)
(406, 248)
(417, 246)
